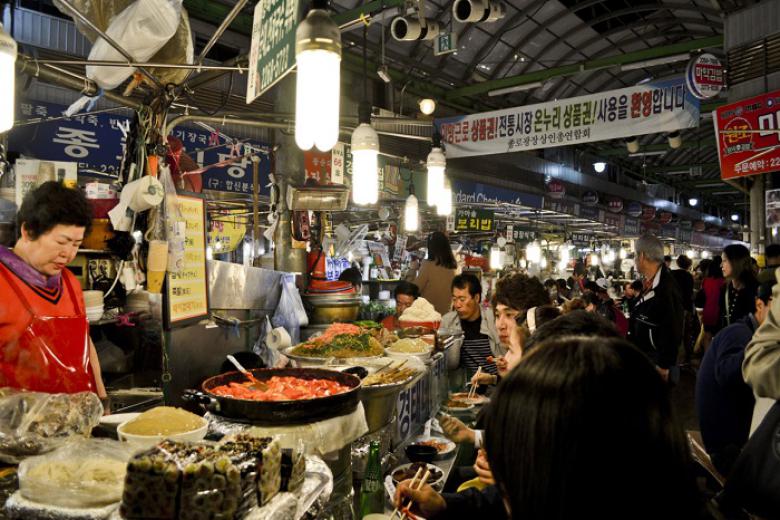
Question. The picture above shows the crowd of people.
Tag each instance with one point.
(580, 422)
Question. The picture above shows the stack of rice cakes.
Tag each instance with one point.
(199, 481)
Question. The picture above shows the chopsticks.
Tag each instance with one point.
(473, 390)
(393, 371)
(403, 513)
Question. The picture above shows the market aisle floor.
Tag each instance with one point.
(684, 399)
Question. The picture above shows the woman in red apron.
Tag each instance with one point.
(44, 333)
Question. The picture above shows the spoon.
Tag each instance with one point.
(256, 383)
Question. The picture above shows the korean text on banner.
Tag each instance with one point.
(748, 136)
(660, 106)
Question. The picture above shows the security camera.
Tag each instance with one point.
(407, 28)
(478, 10)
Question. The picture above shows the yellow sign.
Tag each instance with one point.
(188, 289)
(225, 235)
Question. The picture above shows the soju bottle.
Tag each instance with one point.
(372, 493)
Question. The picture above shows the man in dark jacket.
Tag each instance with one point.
(656, 325)
(724, 401)
(772, 257)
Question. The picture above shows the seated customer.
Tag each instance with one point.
(581, 428)
(405, 294)
(724, 401)
(480, 339)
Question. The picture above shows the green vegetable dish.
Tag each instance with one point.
(341, 346)
(368, 324)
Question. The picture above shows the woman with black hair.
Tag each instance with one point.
(436, 273)
(581, 428)
(44, 333)
(738, 294)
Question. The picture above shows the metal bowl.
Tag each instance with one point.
(332, 308)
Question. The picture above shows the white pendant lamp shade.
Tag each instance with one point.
(318, 81)
(444, 204)
(533, 252)
(411, 214)
(436, 165)
(365, 153)
(7, 84)
(495, 258)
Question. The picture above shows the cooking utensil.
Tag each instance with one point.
(272, 413)
(256, 385)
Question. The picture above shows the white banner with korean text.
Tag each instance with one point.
(654, 107)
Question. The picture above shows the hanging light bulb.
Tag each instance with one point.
(7, 85)
(594, 259)
(543, 263)
(623, 253)
(444, 206)
(365, 155)
(495, 258)
(533, 252)
(437, 162)
(705, 254)
(691, 253)
(318, 81)
(523, 263)
(411, 213)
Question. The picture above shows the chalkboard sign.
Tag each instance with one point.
(187, 291)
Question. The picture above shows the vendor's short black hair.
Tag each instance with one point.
(637, 285)
(467, 280)
(668, 259)
(407, 288)
(352, 275)
(51, 204)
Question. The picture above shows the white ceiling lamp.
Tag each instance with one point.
(411, 211)
(533, 252)
(495, 258)
(594, 259)
(444, 205)
(515, 88)
(690, 253)
(8, 54)
(436, 163)
(599, 166)
(705, 254)
(543, 262)
(632, 145)
(427, 106)
(693, 202)
(365, 158)
(564, 254)
(675, 139)
(734, 217)
(666, 60)
(318, 80)
(623, 253)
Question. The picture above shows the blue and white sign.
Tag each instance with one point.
(97, 142)
(467, 192)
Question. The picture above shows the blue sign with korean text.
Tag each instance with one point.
(97, 142)
(475, 192)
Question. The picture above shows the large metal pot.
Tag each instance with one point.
(273, 413)
(332, 308)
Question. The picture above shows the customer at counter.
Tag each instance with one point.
(480, 338)
(405, 294)
(436, 273)
(44, 333)
(772, 256)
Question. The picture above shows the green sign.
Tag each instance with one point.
(445, 43)
(474, 219)
(272, 54)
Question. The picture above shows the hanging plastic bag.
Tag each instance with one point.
(142, 29)
(175, 226)
(32, 423)
(82, 474)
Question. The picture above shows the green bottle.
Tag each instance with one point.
(372, 493)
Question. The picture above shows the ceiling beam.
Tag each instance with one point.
(679, 167)
(587, 65)
(621, 151)
(215, 12)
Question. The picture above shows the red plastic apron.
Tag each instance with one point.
(52, 354)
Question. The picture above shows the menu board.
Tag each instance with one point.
(187, 291)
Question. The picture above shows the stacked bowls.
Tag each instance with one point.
(93, 301)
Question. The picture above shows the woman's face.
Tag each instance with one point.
(51, 252)
(725, 266)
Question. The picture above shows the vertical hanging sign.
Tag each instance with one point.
(272, 52)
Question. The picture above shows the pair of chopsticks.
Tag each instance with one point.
(473, 390)
(403, 513)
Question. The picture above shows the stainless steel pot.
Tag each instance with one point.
(380, 403)
(331, 308)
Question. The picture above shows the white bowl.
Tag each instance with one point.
(147, 441)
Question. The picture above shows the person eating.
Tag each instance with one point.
(44, 333)
(405, 294)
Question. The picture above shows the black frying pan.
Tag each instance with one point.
(273, 413)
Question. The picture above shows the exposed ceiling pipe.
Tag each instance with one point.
(225, 120)
(103, 63)
(65, 78)
(86, 21)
